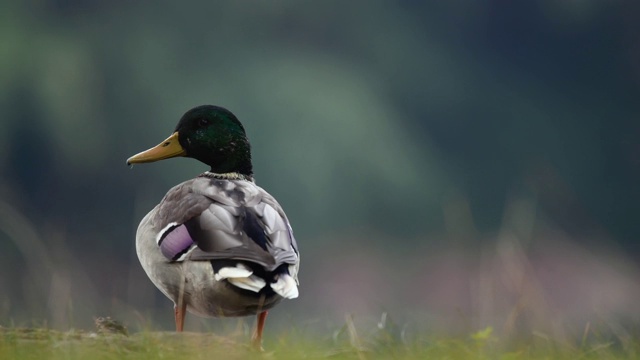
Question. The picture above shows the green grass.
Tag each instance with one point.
(345, 343)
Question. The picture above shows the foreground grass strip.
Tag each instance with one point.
(39, 343)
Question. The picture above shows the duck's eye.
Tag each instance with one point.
(203, 122)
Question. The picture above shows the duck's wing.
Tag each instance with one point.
(228, 222)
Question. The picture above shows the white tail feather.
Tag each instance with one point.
(240, 276)
(285, 286)
(240, 271)
(252, 283)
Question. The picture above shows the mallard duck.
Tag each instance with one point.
(217, 245)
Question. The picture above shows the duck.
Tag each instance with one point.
(217, 245)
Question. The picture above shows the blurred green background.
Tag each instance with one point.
(457, 164)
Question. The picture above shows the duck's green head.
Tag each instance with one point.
(207, 133)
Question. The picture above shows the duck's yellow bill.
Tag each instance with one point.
(166, 149)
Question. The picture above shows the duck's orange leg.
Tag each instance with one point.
(180, 312)
(256, 340)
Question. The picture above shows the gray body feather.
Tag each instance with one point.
(208, 220)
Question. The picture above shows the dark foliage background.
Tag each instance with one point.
(456, 163)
